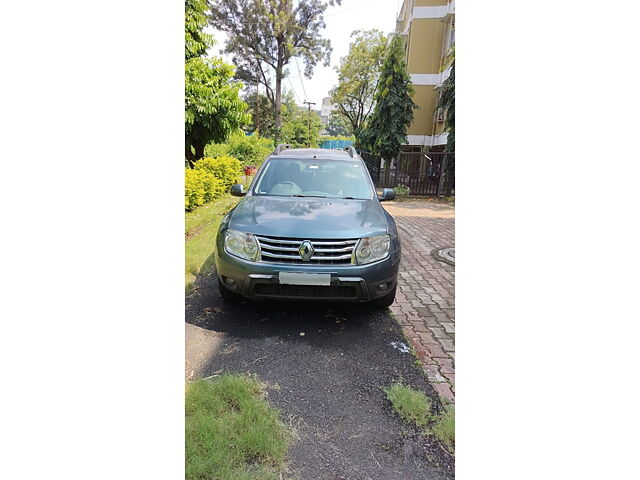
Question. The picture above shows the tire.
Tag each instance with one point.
(227, 294)
(385, 301)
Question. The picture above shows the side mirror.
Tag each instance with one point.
(387, 194)
(237, 190)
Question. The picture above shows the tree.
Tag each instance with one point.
(265, 34)
(386, 128)
(338, 125)
(358, 76)
(295, 129)
(447, 102)
(213, 108)
(265, 114)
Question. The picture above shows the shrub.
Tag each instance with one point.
(226, 169)
(200, 186)
(214, 150)
(401, 189)
(250, 150)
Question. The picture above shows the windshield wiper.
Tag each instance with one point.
(348, 198)
(304, 196)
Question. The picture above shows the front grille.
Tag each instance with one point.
(315, 291)
(285, 250)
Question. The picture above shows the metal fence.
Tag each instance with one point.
(421, 172)
(335, 143)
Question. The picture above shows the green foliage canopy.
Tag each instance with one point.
(295, 130)
(339, 126)
(447, 102)
(358, 76)
(213, 108)
(386, 129)
(265, 34)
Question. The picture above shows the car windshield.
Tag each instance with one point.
(314, 178)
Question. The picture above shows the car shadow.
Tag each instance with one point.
(205, 308)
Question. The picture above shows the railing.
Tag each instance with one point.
(421, 172)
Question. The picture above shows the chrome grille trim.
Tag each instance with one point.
(326, 252)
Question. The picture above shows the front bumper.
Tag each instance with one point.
(349, 283)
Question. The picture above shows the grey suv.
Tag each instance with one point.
(311, 227)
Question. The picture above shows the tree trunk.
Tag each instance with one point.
(278, 102)
(191, 158)
(199, 148)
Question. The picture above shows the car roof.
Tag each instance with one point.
(320, 153)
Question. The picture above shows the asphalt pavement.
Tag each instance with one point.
(325, 366)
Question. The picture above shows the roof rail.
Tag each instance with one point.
(351, 151)
(280, 148)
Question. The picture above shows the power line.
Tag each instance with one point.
(300, 77)
(295, 94)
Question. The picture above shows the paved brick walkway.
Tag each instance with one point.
(425, 306)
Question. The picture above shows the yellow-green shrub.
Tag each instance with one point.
(200, 186)
(226, 169)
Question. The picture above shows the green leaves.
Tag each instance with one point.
(213, 108)
(265, 34)
(358, 75)
(386, 129)
(301, 128)
(447, 101)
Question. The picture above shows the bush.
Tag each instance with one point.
(250, 150)
(200, 186)
(401, 189)
(214, 150)
(226, 169)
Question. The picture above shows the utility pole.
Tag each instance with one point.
(309, 119)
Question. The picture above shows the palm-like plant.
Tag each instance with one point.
(447, 102)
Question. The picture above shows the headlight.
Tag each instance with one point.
(241, 245)
(372, 249)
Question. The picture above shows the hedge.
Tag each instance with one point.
(210, 178)
(226, 169)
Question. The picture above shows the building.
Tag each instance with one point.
(325, 110)
(428, 27)
(325, 114)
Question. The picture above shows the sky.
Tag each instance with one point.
(340, 21)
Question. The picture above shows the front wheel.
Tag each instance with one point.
(385, 301)
(227, 294)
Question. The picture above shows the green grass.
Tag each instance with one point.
(231, 432)
(201, 227)
(445, 428)
(414, 407)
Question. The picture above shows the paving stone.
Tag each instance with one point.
(426, 288)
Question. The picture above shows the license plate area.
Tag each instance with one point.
(296, 278)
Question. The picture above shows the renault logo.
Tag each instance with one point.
(306, 250)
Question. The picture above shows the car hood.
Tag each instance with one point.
(311, 218)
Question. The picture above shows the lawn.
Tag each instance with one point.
(201, 226)
(231, 432)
